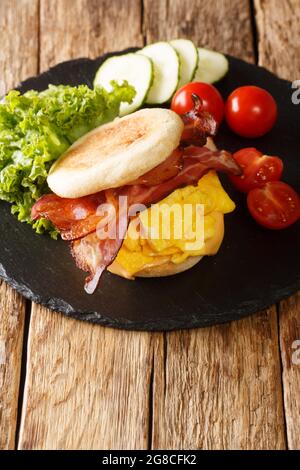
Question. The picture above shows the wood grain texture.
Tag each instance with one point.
(278, 28)
(77, 28)
(217, 388)
(222, 24)
(16, 63)
(86, 386)
(19, 41)
(12, 314)
(290, 351)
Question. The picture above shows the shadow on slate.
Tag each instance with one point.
(253, 269)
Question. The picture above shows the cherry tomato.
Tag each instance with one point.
(250, 111)
(258, 169)
(276, 205)
(212, 101)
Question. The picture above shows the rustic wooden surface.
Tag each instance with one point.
(231, 386)
(16, 62)
(289, 314)
(278, 28)
(99, 375)
(278, 24)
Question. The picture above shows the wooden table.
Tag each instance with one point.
(70, 385)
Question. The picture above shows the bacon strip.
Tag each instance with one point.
(220, 160)
(198, 124)
(165, 171)
(93, 254)
(74, 218)
(196, 162)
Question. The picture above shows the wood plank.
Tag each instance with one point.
(86, 386)
(279, 45)
(290, 352)
(12, 311)
(16, 63)
(91, 28)
(216, 388)
(206, 22)
(219, 388)
(278, 30)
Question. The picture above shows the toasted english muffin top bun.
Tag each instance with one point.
(116, 153)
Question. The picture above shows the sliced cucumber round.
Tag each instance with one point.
(136, 69)
(189, 59)
(166, 71)
(212, 66)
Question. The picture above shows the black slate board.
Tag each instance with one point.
(253, 269)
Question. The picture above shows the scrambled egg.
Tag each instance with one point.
(150, 241)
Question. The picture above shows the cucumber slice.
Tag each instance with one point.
(136, 69)
(212, 66)
(166, 71)
(189, 59)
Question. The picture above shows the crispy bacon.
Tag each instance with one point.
(196, 162)
(198, 124)
(165, 171)
(219, 160)
(93, 253)
(73, 217)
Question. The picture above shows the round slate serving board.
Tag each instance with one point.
(253, 269)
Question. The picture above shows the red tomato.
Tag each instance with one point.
(276, 205)
(250, 111)
(212, 100)
(258, 169)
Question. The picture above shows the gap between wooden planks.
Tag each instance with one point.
(89, 387)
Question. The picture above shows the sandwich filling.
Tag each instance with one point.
(143, 252)
(78, 219)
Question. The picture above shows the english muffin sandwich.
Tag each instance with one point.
(108, 187)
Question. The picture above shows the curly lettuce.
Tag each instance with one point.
(37, 127)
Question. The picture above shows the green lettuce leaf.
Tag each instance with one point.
(36, 128)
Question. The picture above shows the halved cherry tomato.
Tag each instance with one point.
(258, 169)
(212, 101)
(276, 205)
(250, 111)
